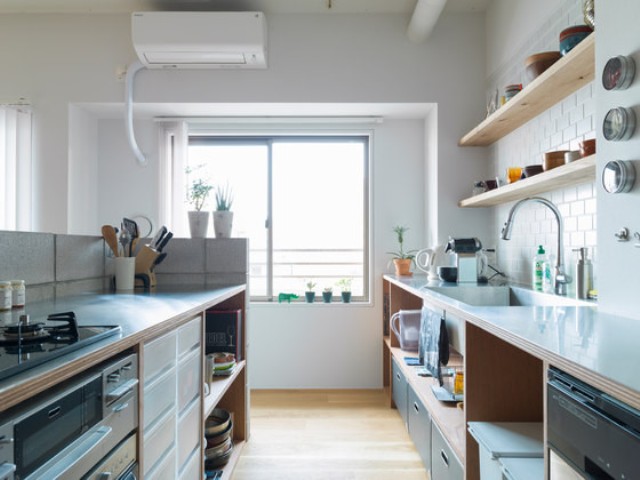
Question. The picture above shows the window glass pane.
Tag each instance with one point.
(318, 213)
(244, 168)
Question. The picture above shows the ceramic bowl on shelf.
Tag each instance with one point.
(587, 147)
(570, 37)
(217, 422)
(539, 62)
(553, 159)
(531, 170)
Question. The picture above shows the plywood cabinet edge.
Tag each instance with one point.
(567, 75)
(574, 173)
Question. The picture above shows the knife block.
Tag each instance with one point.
(145, 260)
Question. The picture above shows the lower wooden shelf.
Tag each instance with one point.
(219, 386)
(449, 418)
(233, 460)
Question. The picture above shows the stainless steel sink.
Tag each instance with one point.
(505, 296)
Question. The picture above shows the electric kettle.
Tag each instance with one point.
(429, 259)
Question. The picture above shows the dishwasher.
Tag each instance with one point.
(590, 434)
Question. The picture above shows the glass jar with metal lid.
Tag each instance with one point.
(18, 291)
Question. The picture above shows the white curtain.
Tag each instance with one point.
(15, 168)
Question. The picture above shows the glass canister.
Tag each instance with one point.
(18, 293)
(6, 299)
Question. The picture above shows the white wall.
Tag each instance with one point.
(561, 127)
(619, 261)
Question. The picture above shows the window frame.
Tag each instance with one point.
(202, 136)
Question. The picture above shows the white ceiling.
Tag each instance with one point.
(267, 6)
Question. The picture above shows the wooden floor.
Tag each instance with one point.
(318, 435)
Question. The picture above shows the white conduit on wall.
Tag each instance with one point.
(134, 68)
(424, 18)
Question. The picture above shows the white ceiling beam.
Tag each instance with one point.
(425, 16)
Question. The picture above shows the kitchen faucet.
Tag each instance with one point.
(561, 279)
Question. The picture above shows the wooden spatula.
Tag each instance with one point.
(110, 236)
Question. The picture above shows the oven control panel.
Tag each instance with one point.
(118, 462)
(120, 378)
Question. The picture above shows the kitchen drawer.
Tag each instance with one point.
(165, 470)
(444, 464)
(420, 427)
(189, 336)
(159, 397)
(159, 356)
(189, 379)
(399, 389)
(189, 433)
(192, 469)
(159, 443)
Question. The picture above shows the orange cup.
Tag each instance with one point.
(514, 174)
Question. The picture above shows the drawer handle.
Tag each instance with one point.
(54, 412)
(445, 459)
(415, 407)
(398, 376)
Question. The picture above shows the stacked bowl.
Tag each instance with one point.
(218, 433)
(570, 37)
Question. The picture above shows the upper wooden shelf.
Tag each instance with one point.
(564, 77)
(574, 173)
(219, 386)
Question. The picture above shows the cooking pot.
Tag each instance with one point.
(429, 259)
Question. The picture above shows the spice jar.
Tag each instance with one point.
(5, 296)
(18, 293)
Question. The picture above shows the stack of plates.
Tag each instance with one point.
(218, 432)
(223, 364)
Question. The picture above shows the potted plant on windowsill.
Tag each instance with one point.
(223, 216)
(345, 286)
(310, 293)
(402, 260)
(327, 293)
(197, 197)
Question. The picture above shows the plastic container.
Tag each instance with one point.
(522, 468)
(497, 440)
(540, 264)
(406, 325)
(6, 298)
(18, 294)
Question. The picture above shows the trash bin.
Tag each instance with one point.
(505, 440)
(522, 468)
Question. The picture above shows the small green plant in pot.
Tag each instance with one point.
(327, 293)
(223, 216)
(345, 286)
(310, 293)
(197, 195)
(402, 259)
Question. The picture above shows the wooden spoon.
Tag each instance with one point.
(109, 235)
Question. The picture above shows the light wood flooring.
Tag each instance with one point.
(318, 435)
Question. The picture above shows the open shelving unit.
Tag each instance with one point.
(564, 77)
(574, 173)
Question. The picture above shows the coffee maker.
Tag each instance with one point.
(465, 250)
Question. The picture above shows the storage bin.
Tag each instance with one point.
(505, 440)
(522, 468)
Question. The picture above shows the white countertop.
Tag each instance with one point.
(579, 339)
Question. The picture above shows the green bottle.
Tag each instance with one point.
(539, 267)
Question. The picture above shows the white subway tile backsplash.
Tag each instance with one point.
(561, 127)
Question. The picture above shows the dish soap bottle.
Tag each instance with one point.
(584, 273)
(540, 264)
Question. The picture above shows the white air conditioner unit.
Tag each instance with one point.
(200, 39)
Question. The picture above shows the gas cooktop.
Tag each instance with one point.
(24, 344)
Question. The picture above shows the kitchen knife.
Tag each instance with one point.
(159, 260)
(158, 237)
(164, 241)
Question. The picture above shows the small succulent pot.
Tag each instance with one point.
(346, 297)
(310, 296)
(326, 297)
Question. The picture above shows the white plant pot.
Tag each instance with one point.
(222, 223)
(198, 224)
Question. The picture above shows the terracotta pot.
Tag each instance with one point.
(403, 267)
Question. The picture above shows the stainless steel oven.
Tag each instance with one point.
(591, 435)
(67, 433)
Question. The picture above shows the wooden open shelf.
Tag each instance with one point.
(235, 456)
(564, 77)
(574, 173)
(219, 386)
